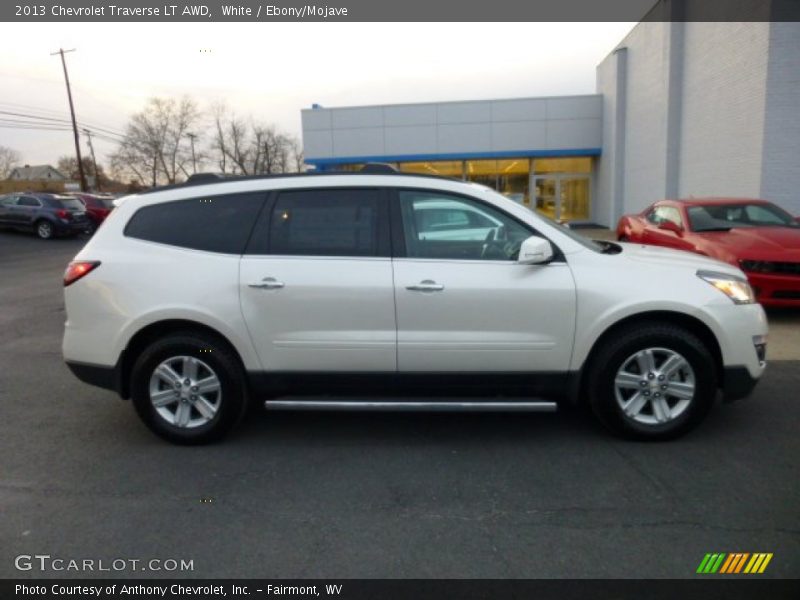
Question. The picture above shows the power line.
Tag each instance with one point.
(83, 124)
(12, 126)
(17, 114)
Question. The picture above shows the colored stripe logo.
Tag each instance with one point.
(734, 562)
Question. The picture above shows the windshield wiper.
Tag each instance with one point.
(713, 229)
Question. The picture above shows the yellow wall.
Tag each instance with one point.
(9, 185)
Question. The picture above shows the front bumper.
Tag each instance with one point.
(737, 383)
(776, 290)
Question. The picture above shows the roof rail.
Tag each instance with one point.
(378, 167)
(204, 177)
(212, 178)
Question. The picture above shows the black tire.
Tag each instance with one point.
(91, 228)
(619, 349)
(232, 399)
(44, 229)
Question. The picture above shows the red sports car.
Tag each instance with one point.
(758, 237)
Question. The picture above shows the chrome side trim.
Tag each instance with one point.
(454, 405)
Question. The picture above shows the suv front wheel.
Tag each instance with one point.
(652, 381)
(188, 388)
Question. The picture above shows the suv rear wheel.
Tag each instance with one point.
(44, 229)
(188, 388)
(652, 381)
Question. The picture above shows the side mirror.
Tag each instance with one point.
(671, 226)
(535, 251)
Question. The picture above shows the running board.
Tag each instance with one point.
(438, 405)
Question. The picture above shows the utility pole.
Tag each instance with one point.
(191, 137)
(94, 160)
(61, 51)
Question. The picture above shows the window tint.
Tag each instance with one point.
(438, 225)
(765, 215)
(326, 223)
(668, 213)
(716, 217)
(28, 201)
(69, 203)
(211, 223)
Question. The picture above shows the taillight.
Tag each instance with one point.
(62, 214)
(77, 269)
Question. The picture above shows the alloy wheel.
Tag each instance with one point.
(185, 391)
(44, 230)
(654, 386)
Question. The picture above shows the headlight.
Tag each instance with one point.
(733, 287)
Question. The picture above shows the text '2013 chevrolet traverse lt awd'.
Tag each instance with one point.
(371, 291)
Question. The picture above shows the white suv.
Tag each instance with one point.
(370, 291)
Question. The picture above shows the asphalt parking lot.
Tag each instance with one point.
(376, 495)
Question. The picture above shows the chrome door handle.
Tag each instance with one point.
(268, 283)
(427, 285)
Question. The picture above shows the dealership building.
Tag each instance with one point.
(680, 109)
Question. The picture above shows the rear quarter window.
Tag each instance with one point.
(210, 223)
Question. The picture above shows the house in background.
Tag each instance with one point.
(36, 173)
(37, 178)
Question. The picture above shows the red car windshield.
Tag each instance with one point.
(723, 217)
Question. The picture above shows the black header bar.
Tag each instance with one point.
(398, 10)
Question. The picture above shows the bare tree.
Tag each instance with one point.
(68, 165)
(156, 147)
(297, 155)
(9, 158)
(230, 144)
(250, 147)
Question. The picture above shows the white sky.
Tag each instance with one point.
(272, 70)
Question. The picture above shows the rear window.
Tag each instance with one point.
(68, 203)
(211, 223)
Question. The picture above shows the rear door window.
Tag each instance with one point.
(28, 201)
(210, 223)
(325, 222)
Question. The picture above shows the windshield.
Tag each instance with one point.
(723, 217)
(602, 248)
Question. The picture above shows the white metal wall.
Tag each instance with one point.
(490, 126)
(708, 109)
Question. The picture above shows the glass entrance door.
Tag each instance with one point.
(563, 197)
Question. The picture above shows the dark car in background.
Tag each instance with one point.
(46, 215)
(98, 207)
